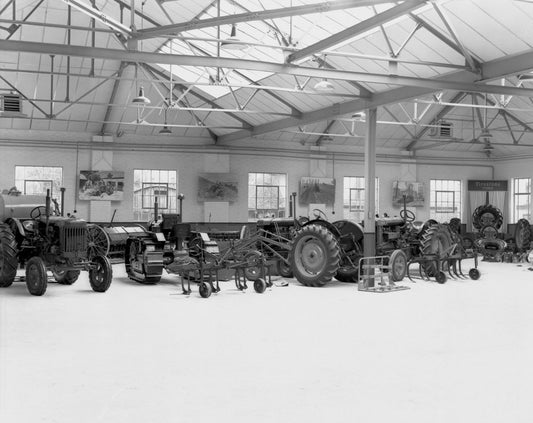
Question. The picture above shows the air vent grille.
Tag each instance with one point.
(11, 103)
(442, 130)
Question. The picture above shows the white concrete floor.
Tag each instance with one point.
(459, 352)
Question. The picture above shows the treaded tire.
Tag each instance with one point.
(522, 235)
(436, 240)
(66, 277)
(314, 255)
(101, 277)
(8, 257)
(481, 217)
(284, 269)
(347, 274)
(36, 277)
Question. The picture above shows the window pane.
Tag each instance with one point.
(445, 199)
(151, 185)
(267, 195)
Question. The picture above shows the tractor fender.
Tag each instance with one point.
(325, 224)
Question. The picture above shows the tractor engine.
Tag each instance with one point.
(61, 240)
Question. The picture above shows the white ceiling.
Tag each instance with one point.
(417, 61)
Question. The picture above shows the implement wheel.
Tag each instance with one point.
(314, 255)
(8, 257)
(36, 277)
(101, 276)
(260, 286)
(98, 242)
(205, 290)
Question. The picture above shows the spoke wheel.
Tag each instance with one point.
(98, 242)
(36, 277)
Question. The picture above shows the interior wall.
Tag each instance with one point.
(506, 170)
(189, 165)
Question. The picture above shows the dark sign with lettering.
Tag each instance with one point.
(487, 185)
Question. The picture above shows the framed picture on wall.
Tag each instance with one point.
(101, 185)
(317, 190)
(412, 193)
(218, 187)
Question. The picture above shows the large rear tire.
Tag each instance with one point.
(8, 257)
(36, 277)
(314, 256)
(101, 275)
(436, 241)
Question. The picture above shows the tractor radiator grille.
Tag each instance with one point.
(75, 240)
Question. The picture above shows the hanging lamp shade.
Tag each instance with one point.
(141, 99)
(233, 42)
(165, 130)
(324, 85)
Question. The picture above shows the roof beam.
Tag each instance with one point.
(113, 96)
(164, 31)
(457, 98)
(357, 29)
(458, 81)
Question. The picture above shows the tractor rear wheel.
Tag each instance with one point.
(66, 277)
(101, 275)
(8, 257)
(436, 242)
(314, 255)
(36, 277)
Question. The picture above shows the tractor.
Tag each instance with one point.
(322, 250)
(39, 239)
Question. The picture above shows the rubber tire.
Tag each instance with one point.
(8, 257)
(101, 277)
(397, 266)
(440, 277)
(347, 274)
(435, 240)
(36, 277)
(522, 235)
(314, 255)
(284, 269)
(484, 209)
(66, 277)
(260, 286)
(474, 274)
(205, 290)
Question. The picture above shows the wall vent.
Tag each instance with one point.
(11, 103)
(442, 129)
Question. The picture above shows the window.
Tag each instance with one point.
(445, 199)
(151, 185)
(354, 198)
(35, 180)
(521, 205)
(267, 195)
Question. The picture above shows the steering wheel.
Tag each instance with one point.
(407, 215)
(37, 212)
(319, 214)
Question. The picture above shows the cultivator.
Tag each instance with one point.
(442, 254)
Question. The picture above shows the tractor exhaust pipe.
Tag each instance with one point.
(47, 207)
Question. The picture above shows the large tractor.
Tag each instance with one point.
(322, 250)
(38, 239)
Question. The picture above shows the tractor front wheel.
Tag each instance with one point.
(8, 257)
(101, 275)
(397, 266)
(314, 256)
(36, 277)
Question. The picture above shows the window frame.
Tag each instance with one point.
(519, 194)
(437, 208)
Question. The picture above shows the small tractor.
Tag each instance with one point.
(39, 240)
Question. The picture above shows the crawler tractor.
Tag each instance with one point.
(39, 240)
